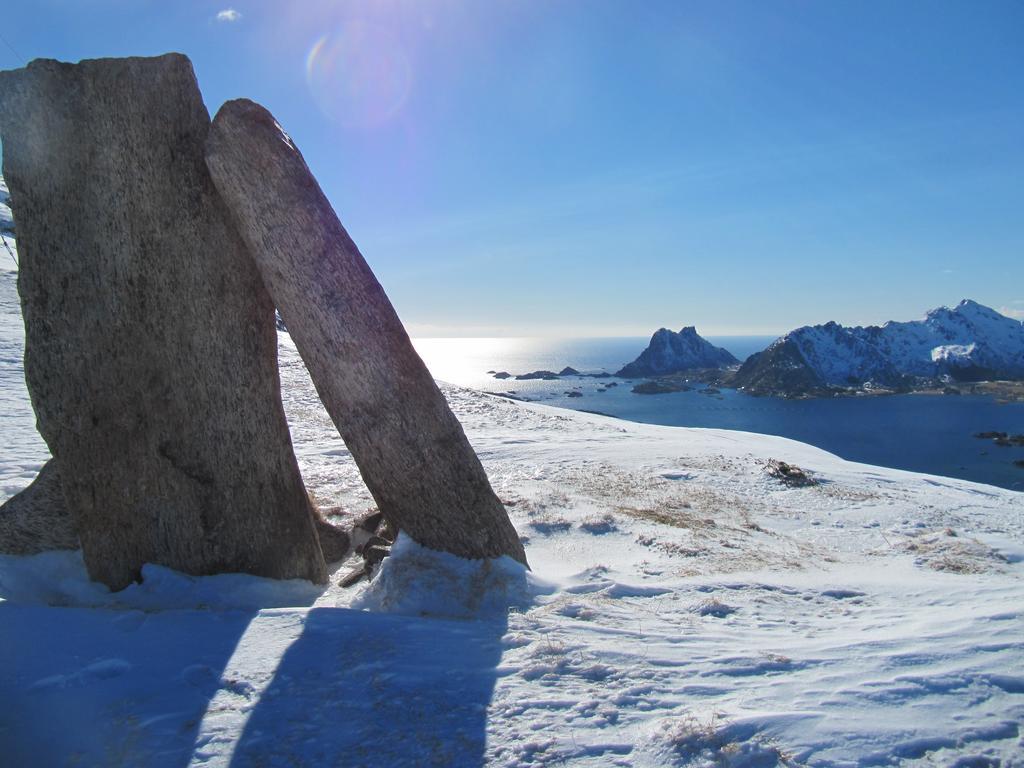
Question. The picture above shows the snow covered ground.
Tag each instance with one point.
(684, 608)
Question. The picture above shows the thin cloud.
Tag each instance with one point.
(229, 15)
(1016, 314)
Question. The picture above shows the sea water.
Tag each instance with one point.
(922, 433)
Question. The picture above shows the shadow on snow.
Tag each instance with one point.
(367, 689)
(85, 686)
(99, 687)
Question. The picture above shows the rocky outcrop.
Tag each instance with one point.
(966, 343)
(151, 355)
(789, 474)
(670, 352)
(780, 369)
(660, 387)
(372, 538)
(410, 448)
(37, 519)
(546, 375)
(335, 541)
(534, 375)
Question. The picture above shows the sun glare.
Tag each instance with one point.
(360, 76)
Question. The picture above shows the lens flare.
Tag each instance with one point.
(360, 76)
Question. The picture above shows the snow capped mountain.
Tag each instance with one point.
(669, 352)
(967, 342)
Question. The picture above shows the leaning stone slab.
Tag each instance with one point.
(37, 519)
(150, 350)
(410, 448)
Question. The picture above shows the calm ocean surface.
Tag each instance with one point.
(923, 433)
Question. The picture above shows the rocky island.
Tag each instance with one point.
(545, 375)
(673, 362)
(670, 352)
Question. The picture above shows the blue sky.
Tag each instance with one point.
(606, 168)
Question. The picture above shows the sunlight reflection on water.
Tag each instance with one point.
(920, 433)
(466, 361)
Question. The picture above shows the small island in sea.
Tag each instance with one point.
(671, 352)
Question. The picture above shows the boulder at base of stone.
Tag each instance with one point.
(150, 352)
(410, 448)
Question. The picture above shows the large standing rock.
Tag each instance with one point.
(37, 519)
(410, 448)
(150, 350)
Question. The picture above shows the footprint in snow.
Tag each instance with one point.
(201, 676)
(766, 663)
(104, 669)
(615, 589)
(675, 476)
(130, 621)
(618, 590)
(842, 594)
(576, 611)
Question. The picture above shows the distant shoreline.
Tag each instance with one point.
(1003, 391)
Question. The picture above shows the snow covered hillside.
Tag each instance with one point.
(969, 341)
(22, 450)
(7, 244)
(685, 608)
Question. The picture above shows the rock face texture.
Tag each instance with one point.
(671, 352)
(410, 448)
(969, 342)
(150, 343)
(37, 519)
(780, 369)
